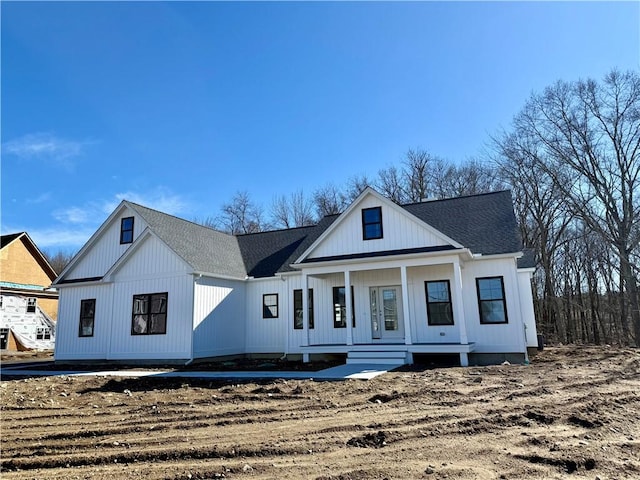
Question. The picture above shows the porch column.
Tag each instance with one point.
(349, 310)
(458, 309)
(305, 309)
(405, 305)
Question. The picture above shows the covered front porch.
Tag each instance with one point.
(383, 315)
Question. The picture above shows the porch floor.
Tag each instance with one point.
(391, 347)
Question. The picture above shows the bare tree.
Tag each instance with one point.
(356, 185)
(470, 178)
(329, 200)
(589, 134)
(417, 172)
(390, 183)
(294, 211)
(58, 260)
(241, 215)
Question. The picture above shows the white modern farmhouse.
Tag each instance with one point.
(378, 283)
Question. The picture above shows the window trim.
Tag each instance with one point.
(43, 333)
(503, 299)
(365, 224)
(336, 291)
(265, 307)
(92, 317)
(450, 303)
(300, 326)
(32, 304)
(149, 314)
(124, 241)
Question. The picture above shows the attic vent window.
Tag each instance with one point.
(371, 223)
(126, 230)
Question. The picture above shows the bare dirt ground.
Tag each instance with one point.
(573, 413)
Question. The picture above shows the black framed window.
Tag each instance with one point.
(149, 315)
(371, 223)
(126, 230)
(31, 305)
(270, 305)
(87, 317)
(491, 300)
(43, 333)
(439, 308)
(340, 308)
(297, 309)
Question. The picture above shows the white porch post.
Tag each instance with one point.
(458, 308)
(305, 315)
(405, 305)
(349, 310)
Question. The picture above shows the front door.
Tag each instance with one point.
(386, 313)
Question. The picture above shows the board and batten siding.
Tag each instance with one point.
(218, 317)
(421, 331)
(153, 268)
(493, 338)
(176, 342)
(400, 231)
(69, 344)
(267, 335)
(526, 304)
(107, 249)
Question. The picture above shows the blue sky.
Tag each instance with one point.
(179, 105)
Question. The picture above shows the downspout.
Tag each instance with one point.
(286, 329)
(524, 324)
(196, 277)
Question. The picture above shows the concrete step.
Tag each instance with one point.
(377, 357)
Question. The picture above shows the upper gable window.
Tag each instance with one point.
(31, 305)
(371, 223)
(126, 230)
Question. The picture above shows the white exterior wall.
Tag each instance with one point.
(69, 345)
(219, 317)
(421, 330)
(526, 303)
(267, 335)
(153, 268)
(493, 338)
(176, 343)
(104, 253)
(347, 237)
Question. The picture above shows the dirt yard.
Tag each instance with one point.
(572, 413)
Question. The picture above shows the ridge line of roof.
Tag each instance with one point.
(178, 218)
(507, 190)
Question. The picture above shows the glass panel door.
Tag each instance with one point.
(386, 313)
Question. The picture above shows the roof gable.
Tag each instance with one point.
(7, 240)
(206, 250)
(401, 230)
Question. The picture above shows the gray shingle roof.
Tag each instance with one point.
(205, 249)
(483, 223)
(267, 253)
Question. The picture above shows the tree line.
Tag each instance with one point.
(572, 161)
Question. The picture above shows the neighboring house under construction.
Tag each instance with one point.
(28, 306)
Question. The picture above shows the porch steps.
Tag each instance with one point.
(393, 357)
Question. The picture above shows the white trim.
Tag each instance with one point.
(135, 246)
(366, 192)
(94, 238)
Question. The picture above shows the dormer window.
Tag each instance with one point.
(126, 230)
(371, 223)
